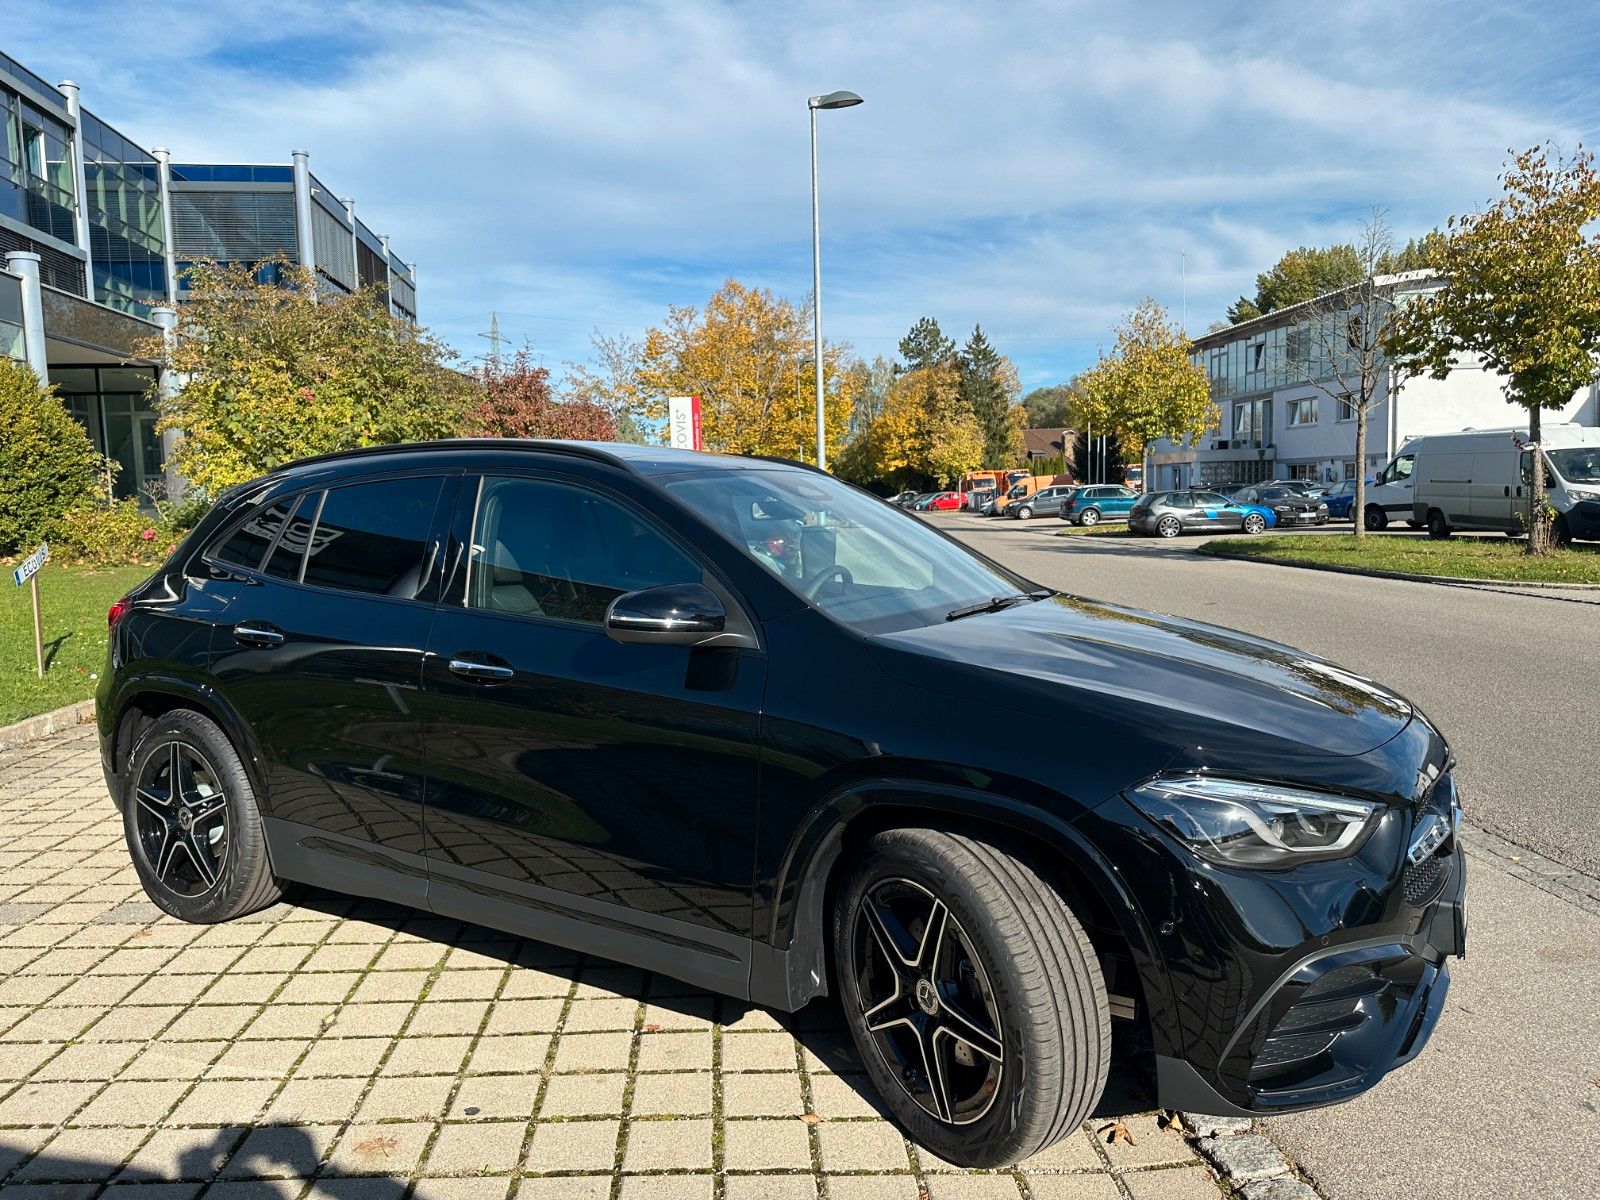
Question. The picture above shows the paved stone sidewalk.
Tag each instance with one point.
(350, 1049)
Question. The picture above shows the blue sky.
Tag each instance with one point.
(1036, 167)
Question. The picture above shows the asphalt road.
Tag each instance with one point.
(1505, 1099)
(1512, 680)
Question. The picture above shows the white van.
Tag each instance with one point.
(1479, 479)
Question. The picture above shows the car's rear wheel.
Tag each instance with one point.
(1376, 520)
(1090, 516)
(1254, 523)
(190, 818)
(1024, 513)
(1438, 527)
(973, 995)
(1169, 527)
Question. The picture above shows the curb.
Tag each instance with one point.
(34, 728)
(1532, 587)
(1245, 1159)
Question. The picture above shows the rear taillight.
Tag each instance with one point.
(116, 612)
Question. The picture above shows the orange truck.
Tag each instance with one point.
(1026, 485)
(999, 482)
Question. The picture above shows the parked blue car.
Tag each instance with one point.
(1340, 499)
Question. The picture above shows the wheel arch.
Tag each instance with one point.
(147, 700)
(796, 943)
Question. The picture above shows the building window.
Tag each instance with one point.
(1349, 468)
(1303, 410)
(1242, 423)
(1347, 411)
(113, 404)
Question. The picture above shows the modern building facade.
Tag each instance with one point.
(96, 233)
(1278, 419)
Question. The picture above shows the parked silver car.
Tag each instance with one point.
(1167, 514)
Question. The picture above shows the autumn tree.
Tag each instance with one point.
(747, 355)
(926, 346)
(1522, 294)
(274, 373)
(1147, 388)
(1051, 407)
(869, 389)
(987, 391)
(926, 435)
(1310, 271)
(518, 402)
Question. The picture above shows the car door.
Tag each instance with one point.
(319, 652)
(1213, 512)
(581, 790)
(1120, 500)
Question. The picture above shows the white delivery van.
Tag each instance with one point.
(1479, 479)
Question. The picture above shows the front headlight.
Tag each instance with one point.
(1580, 495)
(1239, 824)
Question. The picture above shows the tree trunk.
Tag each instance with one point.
(1358, 507)
(1538, 510)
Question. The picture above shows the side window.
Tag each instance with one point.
(373, 537)
(290, 552)
(245, 543)
(1181, 500)
(547, 549)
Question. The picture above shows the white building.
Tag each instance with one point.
(1277, 423)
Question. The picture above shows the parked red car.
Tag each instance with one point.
(946, 500)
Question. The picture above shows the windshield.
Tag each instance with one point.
(1577, 464)
(863, 562)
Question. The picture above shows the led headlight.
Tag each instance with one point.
(1241, 824)
(1577, 494)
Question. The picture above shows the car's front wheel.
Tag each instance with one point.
(973, 995)
(1254, 523)
(1375, 519)
(190, 818)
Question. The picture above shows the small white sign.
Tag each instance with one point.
(30, 565)
(683, 422)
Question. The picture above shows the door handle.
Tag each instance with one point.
(480, 671)
(257, 635)
(1508, 489)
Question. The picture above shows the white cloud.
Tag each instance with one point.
(1036, 167)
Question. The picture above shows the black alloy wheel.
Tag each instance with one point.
(181, 819)
(190, 819)
(927, 1002)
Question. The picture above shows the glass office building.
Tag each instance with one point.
(96, 232)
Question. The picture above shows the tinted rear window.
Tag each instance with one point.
(245, 543)
(372, 537)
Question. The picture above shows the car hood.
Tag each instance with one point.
(1201, 688)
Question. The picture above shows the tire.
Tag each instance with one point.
(208, 863)
(1376, 520)
(1254, 523)
(1020, 964)
(1169, 527)
(1024, 513)
(1089, 516)
(1438, 527)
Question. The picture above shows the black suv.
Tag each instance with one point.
(711, 716)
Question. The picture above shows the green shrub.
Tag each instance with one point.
(115, 535)
(47, 462)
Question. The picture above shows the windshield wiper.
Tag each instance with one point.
(995, 604)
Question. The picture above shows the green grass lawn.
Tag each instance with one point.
(74, 601)
(1461, 558)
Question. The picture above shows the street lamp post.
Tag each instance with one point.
(831, 100)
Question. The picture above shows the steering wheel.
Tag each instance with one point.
(812, 587)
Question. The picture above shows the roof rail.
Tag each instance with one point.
(559, 447)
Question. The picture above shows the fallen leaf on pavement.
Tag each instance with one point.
(377, 1147)
(652, 1028)
(1172, 1122)
(811, 1119)
(1117, 1132)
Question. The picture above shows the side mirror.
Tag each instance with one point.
(678, 614)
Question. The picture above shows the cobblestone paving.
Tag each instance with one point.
(349, 1049)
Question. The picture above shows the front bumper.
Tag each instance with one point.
(1356, 994)
(1583, 519)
